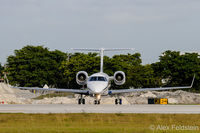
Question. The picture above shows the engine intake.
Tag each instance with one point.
(81, 78)
(119, 78)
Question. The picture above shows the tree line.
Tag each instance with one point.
(37, 66)
(1, 70)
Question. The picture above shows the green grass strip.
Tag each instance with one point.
(99, 123)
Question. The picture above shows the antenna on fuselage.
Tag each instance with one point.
(101, 51)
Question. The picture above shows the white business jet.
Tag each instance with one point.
(98, 84)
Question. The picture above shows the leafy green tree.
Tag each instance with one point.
(178, 69)
(124, 63)
(79, 62)
(142, 76)
(35, 66)
(91, 63)
(1, 70)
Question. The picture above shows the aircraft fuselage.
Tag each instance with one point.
(98, 84)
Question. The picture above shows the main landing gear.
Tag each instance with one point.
(81, 100)
(118, 101)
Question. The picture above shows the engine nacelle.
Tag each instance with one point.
(81, 78)
(119, 78)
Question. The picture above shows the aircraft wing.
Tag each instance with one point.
(76, 91)
(149, 89)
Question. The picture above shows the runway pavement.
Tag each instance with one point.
(73, 108)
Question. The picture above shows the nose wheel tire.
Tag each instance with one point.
(118, 101)
(96, 102)
(81, 101)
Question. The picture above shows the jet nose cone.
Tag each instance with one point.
(97, 88)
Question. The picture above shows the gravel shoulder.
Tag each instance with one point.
(15, 96)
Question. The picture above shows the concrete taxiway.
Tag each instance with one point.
(72, 108)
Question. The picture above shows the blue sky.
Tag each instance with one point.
(149, 26)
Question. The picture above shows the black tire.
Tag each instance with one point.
(95, 102)
(79, 101)
(98, 102)
(83, 101)
(116, 101)
(120, 101)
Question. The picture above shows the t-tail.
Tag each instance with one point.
(101, 51)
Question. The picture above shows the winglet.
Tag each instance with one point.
(192, 81)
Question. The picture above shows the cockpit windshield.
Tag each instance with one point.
(97, 78)
(93, 79)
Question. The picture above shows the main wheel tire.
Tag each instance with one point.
(116, 101)
(95, 102)
(79, 101)
(120, 101)
(83, 101)
(98, 102)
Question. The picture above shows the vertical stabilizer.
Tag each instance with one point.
(101, 54)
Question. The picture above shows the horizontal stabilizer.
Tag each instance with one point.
(100, 49)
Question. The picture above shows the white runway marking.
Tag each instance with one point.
(72, 108)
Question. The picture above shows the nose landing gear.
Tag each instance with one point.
(96, 101)
(98, 98)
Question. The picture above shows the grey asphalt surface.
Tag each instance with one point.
(73, 108)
